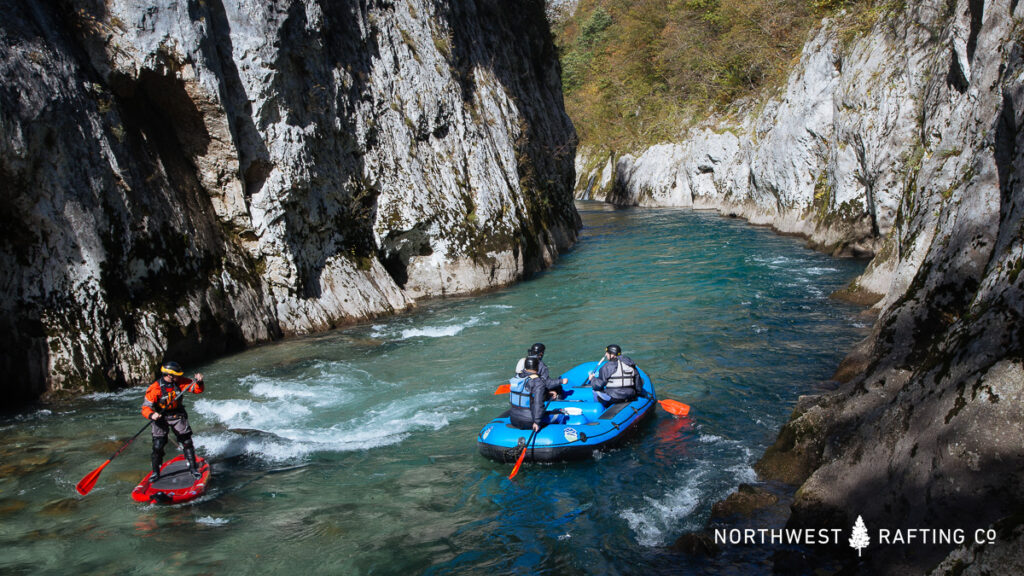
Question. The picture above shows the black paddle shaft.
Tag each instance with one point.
(129, 442)
(148, 422)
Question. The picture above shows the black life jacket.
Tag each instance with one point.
(170, 397)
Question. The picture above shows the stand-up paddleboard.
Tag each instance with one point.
(175, 484)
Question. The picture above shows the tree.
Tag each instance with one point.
(859, 539)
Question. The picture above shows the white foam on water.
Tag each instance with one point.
(230, 445)
(137, 391)
(316, 395)
(393, 332)
(211, 521)
(287, 435)
(660, 516)
(772, 261)
(819, 270)
(251, 414)
(432, 332)
(743, 473)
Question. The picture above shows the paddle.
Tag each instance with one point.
(86, 484)
(670, 406)
(503, 389)
(594, 372)
(673, 407)
(522, 455)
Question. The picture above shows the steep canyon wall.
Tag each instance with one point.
(184, 178)
(905, 144)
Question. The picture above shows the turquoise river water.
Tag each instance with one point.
(354, 451)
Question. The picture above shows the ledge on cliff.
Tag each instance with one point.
(188, 179)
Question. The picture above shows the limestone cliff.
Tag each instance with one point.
(183, 178)
(904, 143)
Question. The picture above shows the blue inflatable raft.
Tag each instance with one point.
(584, 427)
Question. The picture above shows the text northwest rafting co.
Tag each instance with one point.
(832, 536)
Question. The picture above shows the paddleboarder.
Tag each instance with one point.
(164, 407)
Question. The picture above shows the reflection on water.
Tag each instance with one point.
(353, 451)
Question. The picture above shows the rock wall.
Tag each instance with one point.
(905, 143)
(184, 178)
(928, 429)
(826, 158)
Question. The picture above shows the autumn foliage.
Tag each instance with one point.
(636, 72)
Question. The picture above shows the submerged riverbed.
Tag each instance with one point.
(354, 451)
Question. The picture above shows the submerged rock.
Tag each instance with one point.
(9, 506)
(696, 544)
(60, 507)
(743, 502)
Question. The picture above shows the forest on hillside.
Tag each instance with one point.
(639, 72)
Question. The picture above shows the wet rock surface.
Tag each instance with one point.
(744, 501)
(906, 144)
(186, 179)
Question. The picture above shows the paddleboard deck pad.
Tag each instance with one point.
(175, 484)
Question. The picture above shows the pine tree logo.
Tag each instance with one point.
(859, 539)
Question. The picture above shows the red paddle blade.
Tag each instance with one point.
(673, 407)
(503, 389)
(518, 464)
(86, 484)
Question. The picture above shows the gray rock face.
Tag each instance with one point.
(905, 143)
(185, 178)
(821, 160)
(928, 430)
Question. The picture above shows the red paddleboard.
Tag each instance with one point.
(175, 484)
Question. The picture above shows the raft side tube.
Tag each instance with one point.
(590, 427)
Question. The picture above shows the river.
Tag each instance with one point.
(354, 451)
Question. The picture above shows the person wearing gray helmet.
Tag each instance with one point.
(618, 380)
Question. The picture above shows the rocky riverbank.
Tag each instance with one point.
(904, 144)
(186, 179)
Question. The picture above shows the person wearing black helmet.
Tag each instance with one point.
(163, 406)
(618, 380)
(527, 394)
(537, 350)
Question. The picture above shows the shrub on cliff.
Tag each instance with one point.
(637, 72)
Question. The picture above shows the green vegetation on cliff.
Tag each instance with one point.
(637, 72)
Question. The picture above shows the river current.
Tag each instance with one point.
(354, 451)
